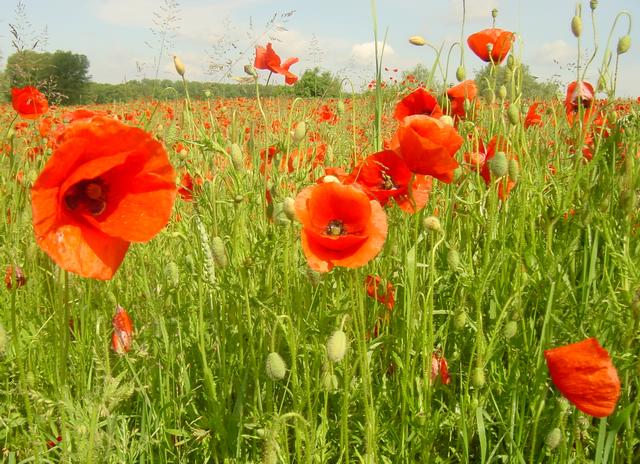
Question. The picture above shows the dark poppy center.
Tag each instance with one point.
(87, 196)
(387, 182)
(335, 228)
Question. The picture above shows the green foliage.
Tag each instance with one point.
(529, 85)
(314, 83)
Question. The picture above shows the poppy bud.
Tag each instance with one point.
(275, 366)
(448, 120)
(593, 4)
(514, 170)
(270, 450)
(337, 346)
(417, 40)
(467, 105)
(553, 438)
(459, 319)
(511, 62)
(340, 108)
(513, 114)
(460, 73)
(489, 96)
(576, 26)
(494, 13)
(299, 132)
(250, 71)
(453, 259)
(624, 44)
(432, 224)
(207, 93)
(288, 206)
(502, 92)
(329, 178)
(177, 62)
(329, 381)
(237, 158)
(499, 164)
(3, 340)
(510, 329)
(219, 252)
(172, 274)
(627, 201)
(478, 379)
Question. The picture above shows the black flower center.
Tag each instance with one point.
(87, 196)
(335, 228)
(387, 182)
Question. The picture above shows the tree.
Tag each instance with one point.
(71, 73)
(315, 84)
(529, 85)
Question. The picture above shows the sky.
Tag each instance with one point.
(124, 39)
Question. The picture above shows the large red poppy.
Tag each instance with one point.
(579, 95)
(417, 102)
(585, 375)
(491, 45)
(267, 59)
(427, 146)
(29, 102)
(457, 95)
(385, 175)
(105, 185)
(341, 226)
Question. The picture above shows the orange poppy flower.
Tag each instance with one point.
(417, 102)
(579, 95)
(533, 118)
(266, 58)
(428, 146)
(122, 331)
(387, 296)
(491, 45)
(105, 185)
(439, 369)
(340, 226)
(29, 102)
(457, 95)
(585, 375)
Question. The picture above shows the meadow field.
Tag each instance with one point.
(412, 273)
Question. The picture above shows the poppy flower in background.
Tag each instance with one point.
(439, 369)
(29, 102)
(427, 146)
(267, 59)
(385, 175)
(585, 375)
(122, 331)
(385, 296)
(579, 95)
(465, 90)
(533, 118)
(105, 185)
(341, 226)
(496, 144)
(491, 45)
(417, 102)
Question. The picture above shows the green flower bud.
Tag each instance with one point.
(499, 164)
(510, 329)
(337, 346)
(460, 73)
(448, 120)
(627, 201)
(502, 92)
(251, 71)
(489, 96)
(514, 170)
(459, 319)
(275, 366)
(511, 62)
(432, 224)
(593, 4)
(329, 381)
(576, 26)
(299, 132)
(417, 40)
(453, 259)
(237, 157)
(172, 274)
(624, 44)
(219, 252)
(289, 208)
(494, 13)
(340, 108)
(513, 114)
(478, 379)
(553, 438)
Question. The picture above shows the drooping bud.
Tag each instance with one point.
(459, 319)
(499, 165)
(576, 25)
(340, 108)
(460, 73)
(624, 44)
(448, 120)
(417, 40)
(337, 346)
(250, 71)
(177, 62)
(432, 224)
(299, 132)
(289, 208)
(275, 366)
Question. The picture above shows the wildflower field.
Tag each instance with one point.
(406, 274)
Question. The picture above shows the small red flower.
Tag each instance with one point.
(533, 118)
(585, 375)
(457, 95)
(29, 102)
(439, 369)
(417, 102)
(14, 277)
(122, 331)
(491, 45)
(385, 296)
(267, 59)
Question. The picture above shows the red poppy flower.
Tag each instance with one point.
(122, 331)
(385, 175)
(29, 102)
(428, 146)
(385, 296)
(495, 145)
(579, 95)
(417, 102)
(14, 277)
(266, 58)
(439, 368)
(491, 45)
(585, 375)
(457, 95)
(341, 226)
(105, 185)
(533, 118)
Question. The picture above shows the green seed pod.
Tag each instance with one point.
(219, 252)
(460, 73)
(432, 224)
(329, 381)
(453, 259)
(275, 366)
(237, 157)
(459, 319)
(478, 379)
(499, 165)
(513, 114)
(514, 170)
(553, 438)
(3, 340)
(624, 44)
(510, 329)
(289, 208)
(299, 132)
(502, 92)
(576, 26)
(172, 274)
(337, 346)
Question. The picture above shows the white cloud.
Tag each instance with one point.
(557, 51)
(365, 53)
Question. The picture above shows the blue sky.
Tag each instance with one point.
(336, 35)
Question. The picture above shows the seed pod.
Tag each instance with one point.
(460, 73)
(477, 377)
(453, 259)
(624, 44)
(177, 62)
(417, 40)
(514, 170)
(237, 158)
(576, 26)
(299, 132)
(219, 252)
(553, 438)
(275, 366)
(502, 92)
(513, 114)
(337, 346)
(510, 329)
(432, 224)
(499, 164)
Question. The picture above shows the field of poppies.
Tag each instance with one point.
(401, 275)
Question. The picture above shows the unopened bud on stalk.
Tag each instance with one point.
(489, 96)
(513, 113)
(459, 319)
(329, 381)
(499, 165)
(219, 252)
(624, 44)
(275, 366)
(460, 73)
(502, 92)
(514, 170)
(446, 119)
(289, 208)
(510, 329)
(340, 108)
(172, 274)
(453, 259)
(511, 62)
(494, 13)
(417, 40)
(593, 4)
(467, 105)
(478, 379)
(177, 62)
(576, 25)
(237, 158)
(553, 438)
(432, 224)
(250, 71)
(299, 132)
(337, 346)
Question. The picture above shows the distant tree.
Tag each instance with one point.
(71, 74)
(530, 86)
(314, 83)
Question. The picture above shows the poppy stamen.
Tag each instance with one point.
(335, 228)
(387, 182)
(90, 195)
